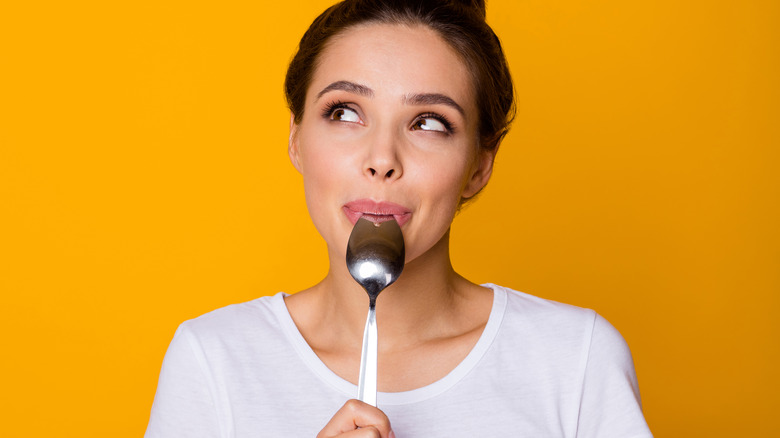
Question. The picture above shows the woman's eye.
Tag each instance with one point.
(344, 115)
(430, 124)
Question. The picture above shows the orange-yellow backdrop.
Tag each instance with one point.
(144, 181)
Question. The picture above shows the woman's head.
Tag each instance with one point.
(391, 120)
(460, 23)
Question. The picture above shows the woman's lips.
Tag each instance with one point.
(376, 211)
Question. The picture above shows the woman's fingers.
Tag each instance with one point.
(365, 432)
(357, 420)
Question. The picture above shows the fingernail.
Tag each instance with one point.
(391, 434)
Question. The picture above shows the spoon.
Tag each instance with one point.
(375, 258)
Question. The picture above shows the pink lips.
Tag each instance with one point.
(376, 211)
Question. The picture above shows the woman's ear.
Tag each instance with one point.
(481, 175)
(292, 144)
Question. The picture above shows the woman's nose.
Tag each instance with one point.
(382, 158)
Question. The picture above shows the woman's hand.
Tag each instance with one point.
(357, 419)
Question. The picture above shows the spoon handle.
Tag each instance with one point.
(368, 361)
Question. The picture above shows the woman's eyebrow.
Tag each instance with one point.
(349, 87)
(409, 99)
(432, 99)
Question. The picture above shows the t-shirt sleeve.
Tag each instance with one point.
(610, 406)
(183, 405)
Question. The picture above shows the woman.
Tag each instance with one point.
(397, 110)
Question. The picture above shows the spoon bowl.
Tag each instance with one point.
(375, 255)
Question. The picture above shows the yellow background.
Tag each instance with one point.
(144, 181)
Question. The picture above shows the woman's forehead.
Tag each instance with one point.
(395, 60)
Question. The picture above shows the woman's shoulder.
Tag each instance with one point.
(255, 316)
(539, 309)
(553, 322)
(558, 347)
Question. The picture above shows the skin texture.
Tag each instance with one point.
(404, 130)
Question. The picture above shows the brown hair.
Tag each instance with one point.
(460, 23)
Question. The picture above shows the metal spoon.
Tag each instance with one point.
(375, 258)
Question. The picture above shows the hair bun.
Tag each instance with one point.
(478, 6)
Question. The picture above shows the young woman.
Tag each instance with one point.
(397, 110)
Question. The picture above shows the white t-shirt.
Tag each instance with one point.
(539, 369)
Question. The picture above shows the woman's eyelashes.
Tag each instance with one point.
(433, 122)
(339, 111)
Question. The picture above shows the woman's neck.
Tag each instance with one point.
(428, 320)
(425, 302)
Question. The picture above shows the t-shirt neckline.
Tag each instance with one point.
(313, 362)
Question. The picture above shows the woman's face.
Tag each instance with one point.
(389, 131)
